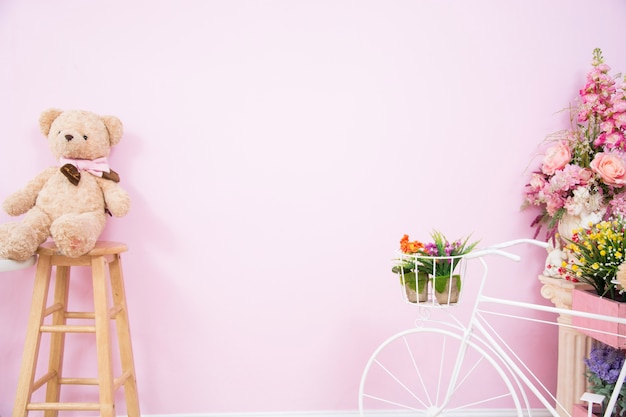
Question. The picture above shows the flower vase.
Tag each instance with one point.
(571, 222)
(557, 252)
(415, 293)
(568, 224)
(447, 290)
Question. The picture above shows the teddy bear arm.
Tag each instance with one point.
(116, 198)
(23, 200)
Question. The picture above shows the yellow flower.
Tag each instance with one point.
(597, 252)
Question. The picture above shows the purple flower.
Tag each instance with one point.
(605, 362)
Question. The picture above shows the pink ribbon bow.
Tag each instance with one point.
(93, 166)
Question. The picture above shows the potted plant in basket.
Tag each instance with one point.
(414, 281)
(445, 257)
(603, 367)
(436, 262)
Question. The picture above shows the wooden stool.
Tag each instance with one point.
(100, 319)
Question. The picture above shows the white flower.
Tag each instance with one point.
(586, 205)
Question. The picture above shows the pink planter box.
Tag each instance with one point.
(590, 302)
(581, 410)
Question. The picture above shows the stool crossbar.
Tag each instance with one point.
(53, 319)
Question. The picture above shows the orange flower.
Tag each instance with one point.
(410, 247)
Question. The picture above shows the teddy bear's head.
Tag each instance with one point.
(80, 134)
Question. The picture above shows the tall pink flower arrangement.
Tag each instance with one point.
(583, 171)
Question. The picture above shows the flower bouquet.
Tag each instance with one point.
(583, 172)
(434, 262)
(598, 257)
(603, 367)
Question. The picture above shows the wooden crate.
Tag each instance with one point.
(590, 302)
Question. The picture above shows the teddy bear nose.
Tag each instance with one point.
(69, 137)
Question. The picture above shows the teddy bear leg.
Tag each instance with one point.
(16, 241)
(76, 234)
(20, 240)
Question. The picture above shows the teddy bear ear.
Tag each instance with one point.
(46, 119)
(115, 128)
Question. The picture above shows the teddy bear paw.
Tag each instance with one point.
(17, 242)
(76, 247)
(74, 236)
(73, 247)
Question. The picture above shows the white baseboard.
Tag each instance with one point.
(479, 413)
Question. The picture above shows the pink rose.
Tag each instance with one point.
(556, 158)
(611, 168)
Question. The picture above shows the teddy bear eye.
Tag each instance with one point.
(85, 137)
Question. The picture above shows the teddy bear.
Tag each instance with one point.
(69, 202)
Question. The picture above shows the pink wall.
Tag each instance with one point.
(275, 152)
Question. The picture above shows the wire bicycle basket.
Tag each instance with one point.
(431, 280)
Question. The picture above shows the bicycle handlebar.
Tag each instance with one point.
(496, 249)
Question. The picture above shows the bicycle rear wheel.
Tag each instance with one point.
(414, 372)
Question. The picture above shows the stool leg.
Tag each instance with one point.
(103, 340)
(57, 339)
(33, 337)
(123, 335)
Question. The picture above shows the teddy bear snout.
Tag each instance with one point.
(69, 137)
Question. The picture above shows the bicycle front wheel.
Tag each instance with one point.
(433, 372)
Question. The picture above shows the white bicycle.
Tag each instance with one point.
(453, 367)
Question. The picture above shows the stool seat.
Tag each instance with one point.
(102, 248)
(55, 320)
(7, 265)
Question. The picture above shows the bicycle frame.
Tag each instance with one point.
(487, 337)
